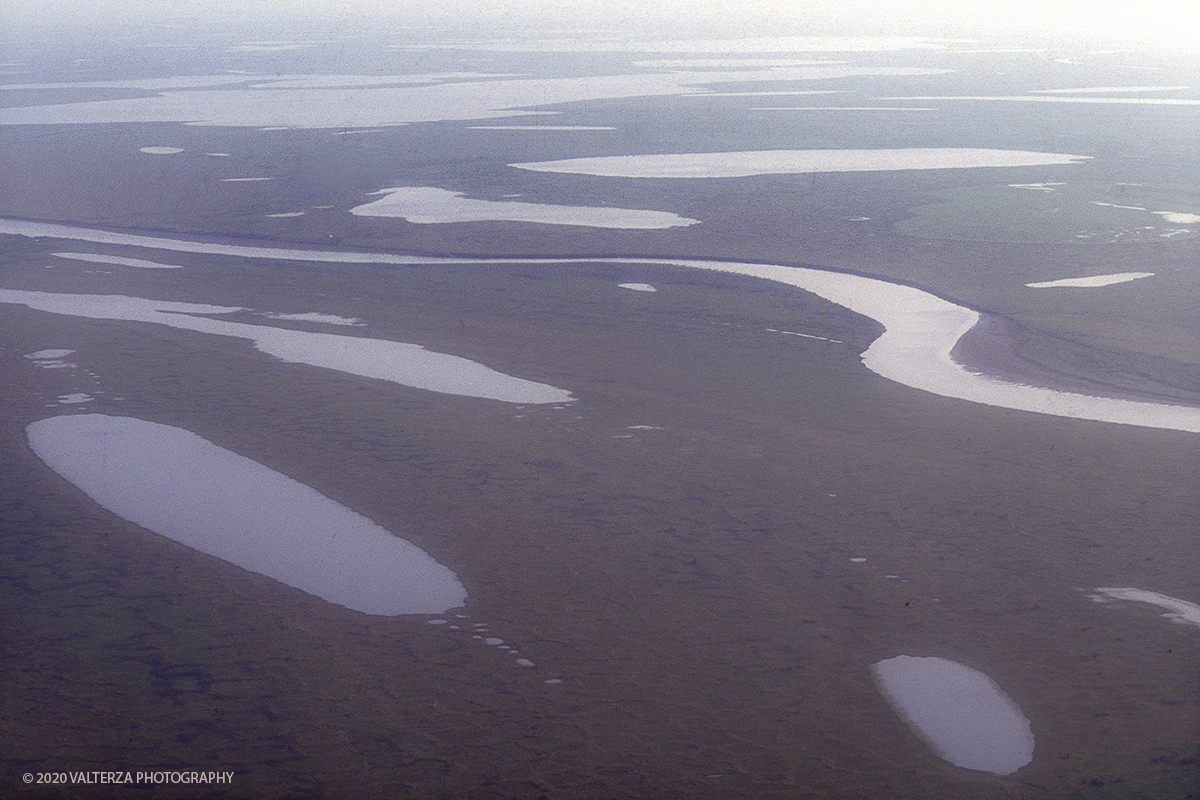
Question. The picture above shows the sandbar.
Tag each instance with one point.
(314, 316)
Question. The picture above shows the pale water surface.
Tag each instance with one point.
(328, 102)
(1176, 610)
(839, 108)
(53, 230)
(1179, 217)
(313, 316)
(1093, 280)
(540, 128)
(125, 262)
(962, 714)
(920, 332)
(783, 162)
(1109, 89)
(1042, 98)
(430, 205)
(397, 362)
(181, 486)
(735, 62)
(747, 44)
(49, 355)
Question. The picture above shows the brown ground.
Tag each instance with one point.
(691, 586)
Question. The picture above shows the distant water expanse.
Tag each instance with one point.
(783, 162)
(335, 101)
(181, 486)
(1124, 101)
(541, 128)
(748, 44)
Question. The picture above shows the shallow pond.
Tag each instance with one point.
(429, 205)
(962, 714)
(181, 486)
(397, 362)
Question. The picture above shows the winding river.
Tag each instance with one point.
(921, 330)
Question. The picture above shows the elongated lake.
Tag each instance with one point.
(182, 486)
